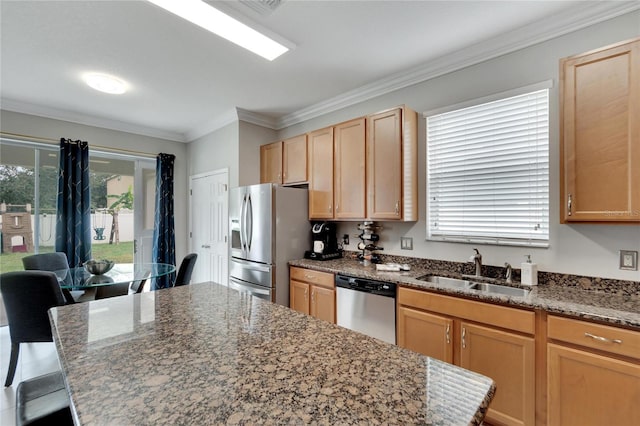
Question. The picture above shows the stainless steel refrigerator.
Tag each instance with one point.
(269, 226)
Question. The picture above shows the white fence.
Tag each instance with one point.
(98, 220)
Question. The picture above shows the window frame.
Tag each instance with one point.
(495, 238)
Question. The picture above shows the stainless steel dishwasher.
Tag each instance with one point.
(367, 306)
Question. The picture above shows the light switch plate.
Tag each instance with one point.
(629, 260)
(406, 243)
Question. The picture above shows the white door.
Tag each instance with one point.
(209, 206)
(144, 205)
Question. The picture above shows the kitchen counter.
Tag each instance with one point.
(206, 354)
(615, 307)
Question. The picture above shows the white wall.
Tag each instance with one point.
(250, 138)
(214, 151)
(41, 127)
(590, 250)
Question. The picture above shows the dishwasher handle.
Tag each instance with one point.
(365, 285)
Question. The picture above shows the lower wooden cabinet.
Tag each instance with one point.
(313, 293)
(492, 340)
(425, 333)
(593, 374)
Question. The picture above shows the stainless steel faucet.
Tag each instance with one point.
(477, 259)
(507, 273)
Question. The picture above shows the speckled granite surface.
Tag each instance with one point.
(203, 354)
(591, 299)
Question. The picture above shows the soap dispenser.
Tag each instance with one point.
(529, 272)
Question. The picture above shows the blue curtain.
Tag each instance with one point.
(73, 210)
(164, 241)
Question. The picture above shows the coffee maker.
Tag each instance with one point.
(325, 243)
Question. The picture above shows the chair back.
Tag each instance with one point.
(27, 297)
(46, 262)
(113, 290)
(186, 269)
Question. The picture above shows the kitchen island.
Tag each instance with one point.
(206, 354)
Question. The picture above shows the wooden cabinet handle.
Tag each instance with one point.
(602, 339)
(464, 340)
(447, 334)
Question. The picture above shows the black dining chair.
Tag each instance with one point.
(48, 262)
(185, 270)
(27, 297)
(114, 290)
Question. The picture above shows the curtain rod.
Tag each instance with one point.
(51, 141)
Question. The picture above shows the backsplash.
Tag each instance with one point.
(595, 284)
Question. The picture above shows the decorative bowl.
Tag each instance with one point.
(98, 267)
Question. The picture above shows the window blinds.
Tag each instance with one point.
(488, 172)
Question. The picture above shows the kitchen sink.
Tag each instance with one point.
(500, 289)
(447, 282)
(471, 285)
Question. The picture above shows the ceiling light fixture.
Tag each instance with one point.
(211, 19)
(105, 83)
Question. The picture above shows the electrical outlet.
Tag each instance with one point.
(629, 260)
(406, 243)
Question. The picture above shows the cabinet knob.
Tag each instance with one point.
(569, 205)
(397, 207)
(330, 208)
(447, 334)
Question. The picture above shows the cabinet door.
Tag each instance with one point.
(323, 304)
(508, 359)
(588, 389)
(321, 174)
(601, 135)
(349, 174)
(294, 158)
(271, 163)
(299, 296)
(384, 165)
(428, 334)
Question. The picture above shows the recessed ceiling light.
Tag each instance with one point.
(105, 83)
(211, 19)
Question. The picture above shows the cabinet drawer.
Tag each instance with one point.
(324, 279)
(499, 316)
(597, 336)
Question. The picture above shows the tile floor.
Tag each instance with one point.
(35, 359)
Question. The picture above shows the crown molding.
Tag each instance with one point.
(212, 125)
(526, 36)
(87, 120)
(257, 119)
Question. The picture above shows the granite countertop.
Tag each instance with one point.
(616, 307)
(206, 354)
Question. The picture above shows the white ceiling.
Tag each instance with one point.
(186, 81)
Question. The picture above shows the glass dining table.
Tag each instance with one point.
(78, 278)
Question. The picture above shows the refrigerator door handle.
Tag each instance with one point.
(249, 223)
(251, 265)
(243, 239)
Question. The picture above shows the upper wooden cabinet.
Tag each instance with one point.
(337, 171)
(600, 135)
(271, 163)
(392, 164)
(349, 170)
(320, 145)
(294, 160)
(284, 162)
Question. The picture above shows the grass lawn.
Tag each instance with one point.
(122, 252)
